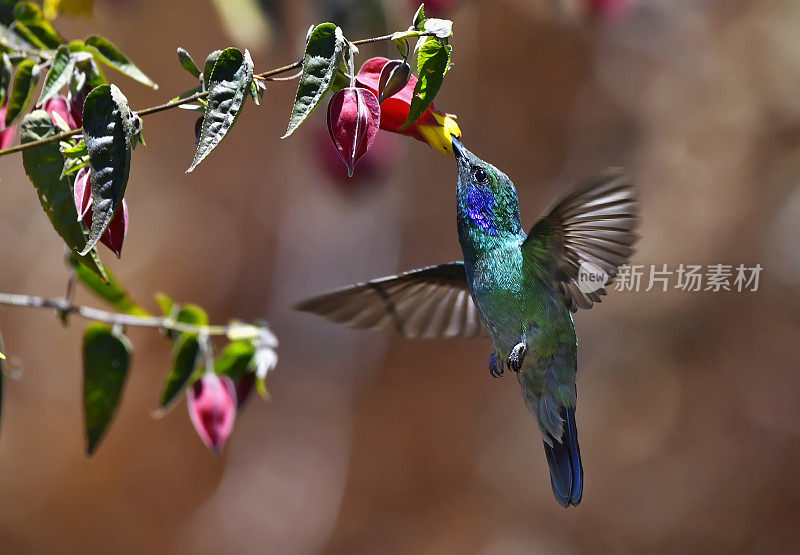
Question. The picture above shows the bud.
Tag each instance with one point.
(82, 191)
(59, 105)
(117, 229)
(212, 409)
(393, 79)
(353, 118)
(433, 127)
(6, 133)
(114, 235)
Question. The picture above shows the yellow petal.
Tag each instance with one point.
(441, 136)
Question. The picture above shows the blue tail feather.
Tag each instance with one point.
(564, 459)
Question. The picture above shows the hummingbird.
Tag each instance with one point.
(520, 289)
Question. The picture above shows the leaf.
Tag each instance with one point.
(418, 21)
(185, 359)
(31, 24)
(59, 74)
(432, 64)
(22, 91)
(6, 76)
(110, 55)
(109, 128)
(165, 303)
(187, 62)
(236, 359)
(44, 164)
(112, 292)
(441, 28)
(106, 359)
(228, 84)
(324, 53)
(211, 59)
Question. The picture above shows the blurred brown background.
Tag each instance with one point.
(688, 411)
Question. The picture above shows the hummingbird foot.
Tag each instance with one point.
(516, 357)
(495, 370)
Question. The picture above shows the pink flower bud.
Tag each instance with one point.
(59, 105)
(212, 409)
(354, 116)
(394, 77)
(6, 133)
(82, 191)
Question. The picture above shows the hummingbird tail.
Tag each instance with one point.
(564, 459)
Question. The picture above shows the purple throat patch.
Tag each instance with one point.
(480, 209)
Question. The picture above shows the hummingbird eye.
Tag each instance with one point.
(480, 175)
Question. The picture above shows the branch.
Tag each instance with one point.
(63, 306)
(189, 99)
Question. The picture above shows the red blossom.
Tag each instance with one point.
(353, 118)
(114, 235)
(212, 409)
(6, 133)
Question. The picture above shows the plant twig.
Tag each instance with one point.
(63, 306)
(189, 99)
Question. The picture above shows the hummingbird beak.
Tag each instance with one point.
(458, 149)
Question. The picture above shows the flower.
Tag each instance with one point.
(212, 409)
(114, 235)
(433, 127)
(353, 118)
(6, 133)
(66, 112)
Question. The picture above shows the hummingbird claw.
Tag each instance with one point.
(516, 357)
(495, 370)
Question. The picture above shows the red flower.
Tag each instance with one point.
(353, 118)
(6, 133)
(115, 233)
(65, 110)
(212, 409)
(433, 127)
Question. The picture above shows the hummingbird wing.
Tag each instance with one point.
(590, 229)
(428, 302)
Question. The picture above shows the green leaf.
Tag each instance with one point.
(112, 292)
(236, 359)
(418, 21)
(229, 82)
(106, 359)
(44, 165)
(22, 91)
(59, 74)
(211, 60)
(6, 76)
(432, 64)
(187, 62)
(185, 359)
(165, 303)
(109, 128)
(112, 57)
(186, 314)
(324, 53)
(32, 26)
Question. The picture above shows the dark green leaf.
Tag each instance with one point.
(109, 128)
(6, 73)
(236, 359)
(185, 359)
(324, 53)
(44, 165)
(432, 64)
(211, 59)
(33, 27)
(112, 292)
(106, 359)
(58, 76)
(228, 84)
(22, 91)
(418, 21)
(187, 62)
(112, 57)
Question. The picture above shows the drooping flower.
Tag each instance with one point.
(433, 127)
(394, 77)
(6, 133)
(212, 409)
(61, 106)
(353, 118)
(114, 235)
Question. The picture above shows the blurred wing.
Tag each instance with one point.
(429, 302)
(592, 227)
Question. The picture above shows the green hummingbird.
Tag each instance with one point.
(520, 288)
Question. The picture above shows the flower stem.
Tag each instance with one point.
(169, 105)
(63, 306)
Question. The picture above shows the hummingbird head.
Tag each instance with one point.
(487, 199)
